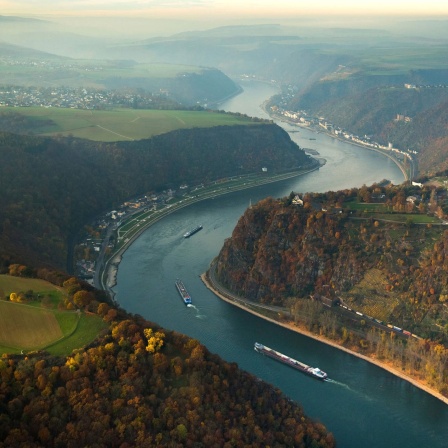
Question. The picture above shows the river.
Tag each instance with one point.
(364, 406)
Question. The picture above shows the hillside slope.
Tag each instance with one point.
(52, 187)
(141, 385)
(409, 118)
(371, 251)
(280, 253)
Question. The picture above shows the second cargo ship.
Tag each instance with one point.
(183, 292)
(312, 371)
(192, 231)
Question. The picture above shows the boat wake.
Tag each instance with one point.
(348, 388)
(329, 380)
(198, 314)
(337, 383)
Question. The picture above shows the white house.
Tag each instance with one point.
(297, 200)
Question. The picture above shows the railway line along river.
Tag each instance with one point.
(363, 405)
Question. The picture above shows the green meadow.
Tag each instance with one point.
(40, 324)
(119, 124)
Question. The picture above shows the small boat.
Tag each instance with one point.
(312, 371)
(183, 292)
(192, 231)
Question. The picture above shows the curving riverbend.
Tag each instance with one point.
(365, 405)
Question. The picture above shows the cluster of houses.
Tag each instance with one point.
(303, 119)
(75, 98)
(92, 240)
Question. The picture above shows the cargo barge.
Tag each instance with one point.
(312, 371)
(192, 231)
(183, 292)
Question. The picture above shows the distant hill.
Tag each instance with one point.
(20, 52)
(16, 19)
(375, 111)
(267, 52)
(186, 84)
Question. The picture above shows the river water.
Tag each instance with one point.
(364, 406)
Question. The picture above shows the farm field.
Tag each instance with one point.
(368, 207)
(39, 324)
(9, 284)
(88, 328)
(413, 217)
(119, 124)
(27, 327)
(381, 211)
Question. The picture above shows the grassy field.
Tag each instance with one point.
(39, 324)
(366, 207)
(402, 59)
(413, 217)
(28, 327)
(88, 328)
(387, 57)
(381, 211)
(119, 124)
(9, 284)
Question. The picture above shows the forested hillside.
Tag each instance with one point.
(52, 187)
(140, 385)
(409, 118)
(280, 252)
(374, 249)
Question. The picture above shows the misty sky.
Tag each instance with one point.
(184, 9)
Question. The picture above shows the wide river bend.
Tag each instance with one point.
(365, 406)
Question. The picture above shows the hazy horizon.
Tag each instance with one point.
(121, 19)
(221, 9)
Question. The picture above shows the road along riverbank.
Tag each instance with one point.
(108, 275)
(212, 286)
(280, 119)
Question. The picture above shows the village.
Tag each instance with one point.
(75, 98)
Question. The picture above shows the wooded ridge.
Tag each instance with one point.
(51, 187)
(141, 385)
(373, 249)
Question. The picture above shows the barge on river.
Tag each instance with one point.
(192, 231)
(312, 371)
(183, 292)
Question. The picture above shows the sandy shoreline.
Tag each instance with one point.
(332, 343)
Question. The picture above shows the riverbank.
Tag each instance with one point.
(108, 274)
(281, 118)
(291, 326)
